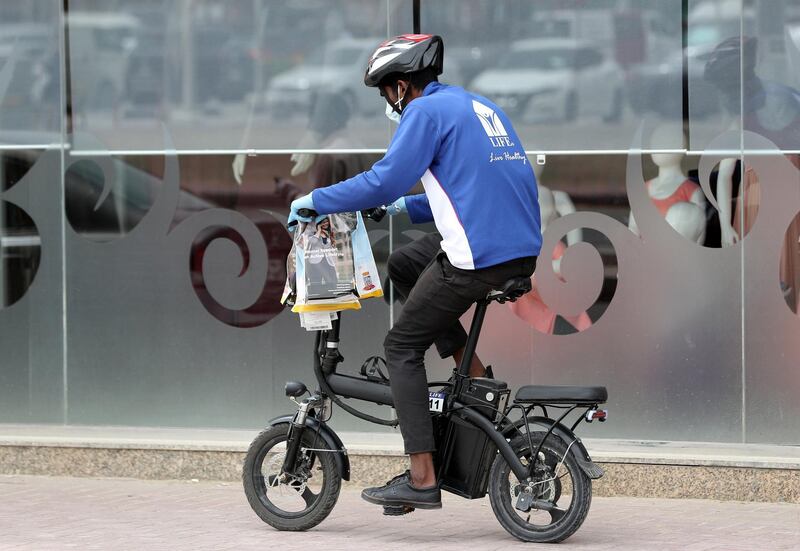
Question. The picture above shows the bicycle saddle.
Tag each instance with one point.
(562, 394)
(511, 290)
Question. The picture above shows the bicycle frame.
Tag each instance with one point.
(335, 384)
(476, 441)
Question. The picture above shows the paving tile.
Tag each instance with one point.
(78, 513)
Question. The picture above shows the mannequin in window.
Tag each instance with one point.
(771, 110)
(679, 200)
(768, 108)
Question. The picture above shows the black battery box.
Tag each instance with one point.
(465, 452)
(486, 396)
(465, 459)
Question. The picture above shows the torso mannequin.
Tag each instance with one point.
(776, 121)
(679, 200)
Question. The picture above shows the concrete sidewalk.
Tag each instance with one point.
(693, 470)
(77, 513)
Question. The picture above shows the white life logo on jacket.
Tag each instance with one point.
(492, 125)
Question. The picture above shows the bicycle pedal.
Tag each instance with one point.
(397, 510)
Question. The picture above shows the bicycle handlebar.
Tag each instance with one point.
(376, 214)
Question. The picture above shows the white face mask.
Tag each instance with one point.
(392, 115)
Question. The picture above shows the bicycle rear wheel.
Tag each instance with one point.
(553, 504)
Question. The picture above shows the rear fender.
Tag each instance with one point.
(577, 449)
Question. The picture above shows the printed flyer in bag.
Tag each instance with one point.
(331, 265)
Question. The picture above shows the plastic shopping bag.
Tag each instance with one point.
(330, 266)
(368, 281)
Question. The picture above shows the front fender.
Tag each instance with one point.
(331, 439)
(578, 450)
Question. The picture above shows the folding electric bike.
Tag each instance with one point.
(537, 473)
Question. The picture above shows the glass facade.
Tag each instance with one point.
(149, 150)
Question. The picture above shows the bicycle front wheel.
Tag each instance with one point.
(290, 502)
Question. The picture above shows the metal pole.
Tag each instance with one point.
(187, 53)
(260, 18)
(685, 72)
(416, 16)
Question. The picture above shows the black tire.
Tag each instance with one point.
(263, 498)
(572, 485)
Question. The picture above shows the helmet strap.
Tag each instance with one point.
(398, 103)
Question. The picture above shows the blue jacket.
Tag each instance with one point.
(480, 189)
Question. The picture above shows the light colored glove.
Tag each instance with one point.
(302, 162)
(239, 162)
(304, 202)
(397, 207)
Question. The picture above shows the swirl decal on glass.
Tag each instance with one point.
(20, 253)
(232, 273)
(20, 241)
(572, 281)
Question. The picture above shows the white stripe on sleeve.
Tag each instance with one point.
(454, 238)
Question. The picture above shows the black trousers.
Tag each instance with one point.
(435, 295)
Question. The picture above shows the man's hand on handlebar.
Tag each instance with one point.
(397, 207)
(302, 210)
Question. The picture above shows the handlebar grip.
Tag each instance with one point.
(304, 213)
(376, 214)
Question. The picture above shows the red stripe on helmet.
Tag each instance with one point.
(415, 37)
(405, 37)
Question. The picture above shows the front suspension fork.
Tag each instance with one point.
(295, 436)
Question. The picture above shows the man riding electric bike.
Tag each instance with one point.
(480, 191)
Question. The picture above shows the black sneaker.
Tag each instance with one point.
(399, 492)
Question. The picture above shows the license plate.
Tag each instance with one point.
(436, 401)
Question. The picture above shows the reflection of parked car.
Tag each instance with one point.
(236, 74)
(336, 68)
(222, 64)
(656, 87)
(20, 93)
(554, 78)
(99, 48)
(26, 103)
(470, 61)
(147, 81)
(31, 40)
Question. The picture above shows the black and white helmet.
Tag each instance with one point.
(406, 53)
